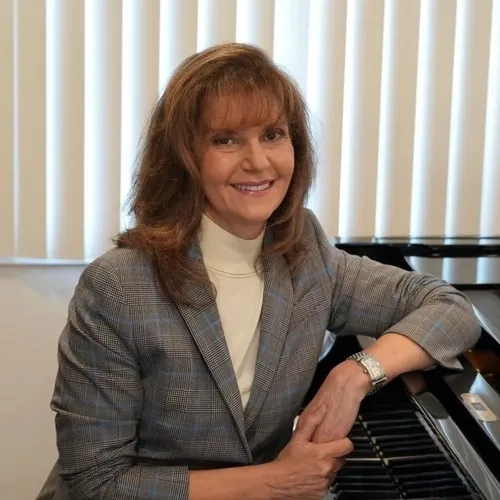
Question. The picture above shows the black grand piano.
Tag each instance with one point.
(435, 434)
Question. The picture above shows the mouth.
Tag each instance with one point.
(253, 187)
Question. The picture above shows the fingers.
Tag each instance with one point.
(307, 426)
(338, 464)
(339, 448)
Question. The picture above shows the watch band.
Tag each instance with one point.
(372, 368)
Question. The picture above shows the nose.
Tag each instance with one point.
(255, 156)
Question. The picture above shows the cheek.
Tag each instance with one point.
(287, 163)
(211, 171)
(285, 156)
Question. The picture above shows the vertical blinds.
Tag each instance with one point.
(404, 98)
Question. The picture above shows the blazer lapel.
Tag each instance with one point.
(206, 328)
(275, 320)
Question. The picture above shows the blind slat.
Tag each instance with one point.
(7, 229)
(361, 117)
(65, 127)
(490, 208)
(216, 22)
(178, 35)
(31, 130)
(404, 100)
(468, 114)
(255, 23)
(432, 121)
(397, 127)
(103, 37)
(325, 95)
(141, 32)
(291, 24)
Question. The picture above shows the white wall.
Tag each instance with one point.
(33, 307)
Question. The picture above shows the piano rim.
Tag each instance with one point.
(467, 465)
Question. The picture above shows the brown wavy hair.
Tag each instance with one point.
(167, 197)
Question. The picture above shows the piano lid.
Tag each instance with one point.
(463, 246)
(464, 262)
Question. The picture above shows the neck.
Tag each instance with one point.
(227, 252)
(242, 231)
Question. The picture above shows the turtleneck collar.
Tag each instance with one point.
(224, 252)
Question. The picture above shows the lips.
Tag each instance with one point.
(260, 187)
(253, 186)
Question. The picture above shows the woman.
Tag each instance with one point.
(190, 346)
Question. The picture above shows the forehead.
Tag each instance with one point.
(239, 111)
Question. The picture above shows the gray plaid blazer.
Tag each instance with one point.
(146, 390)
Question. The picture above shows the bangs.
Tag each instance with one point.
(235, 109)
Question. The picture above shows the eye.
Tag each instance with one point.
(274, 134)
(223, 140)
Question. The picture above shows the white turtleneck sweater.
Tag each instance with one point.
(230, 262)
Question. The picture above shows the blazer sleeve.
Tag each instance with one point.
(98, 399)
(370, 298)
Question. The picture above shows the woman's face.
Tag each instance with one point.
(245, 170)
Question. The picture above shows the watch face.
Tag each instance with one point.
(374, 369)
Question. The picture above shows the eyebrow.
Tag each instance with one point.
(224, 130)
(228, 130)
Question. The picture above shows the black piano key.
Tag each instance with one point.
(367, 495)
(361, 440)
(397, 428)
(439, 481)
(396, 456)
(454, 497)
(427, 476)
(388, 415)
(397, 449)
(420, 464)
(361, 454)
(419, 439)
(364, 469)
(438, 492)
(358, 479)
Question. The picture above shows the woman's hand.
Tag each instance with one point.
(341, 393)
(305, 470)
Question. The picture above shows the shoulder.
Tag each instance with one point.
(314, 238)
(321, 249)
(124, 261)
(119, 268)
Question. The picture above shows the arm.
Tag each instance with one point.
(369, 298)
(98, 403)
(418, 322)
(347, 384)
(98, 399)
(253, 482)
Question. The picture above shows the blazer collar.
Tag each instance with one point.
(206, 328)
(274, 323)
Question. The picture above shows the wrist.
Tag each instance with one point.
(353, 378)
(274, 480)
(252, 482)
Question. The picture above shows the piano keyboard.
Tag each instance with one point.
(398, 456)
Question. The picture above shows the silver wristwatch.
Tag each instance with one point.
(372, 368)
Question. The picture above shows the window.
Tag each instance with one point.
(405, 100)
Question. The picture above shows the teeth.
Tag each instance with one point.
(261, 187)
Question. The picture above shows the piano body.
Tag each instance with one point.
(433, 434)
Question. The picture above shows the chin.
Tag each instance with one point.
(257, 218)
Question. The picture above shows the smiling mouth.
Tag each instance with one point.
(253, 187)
